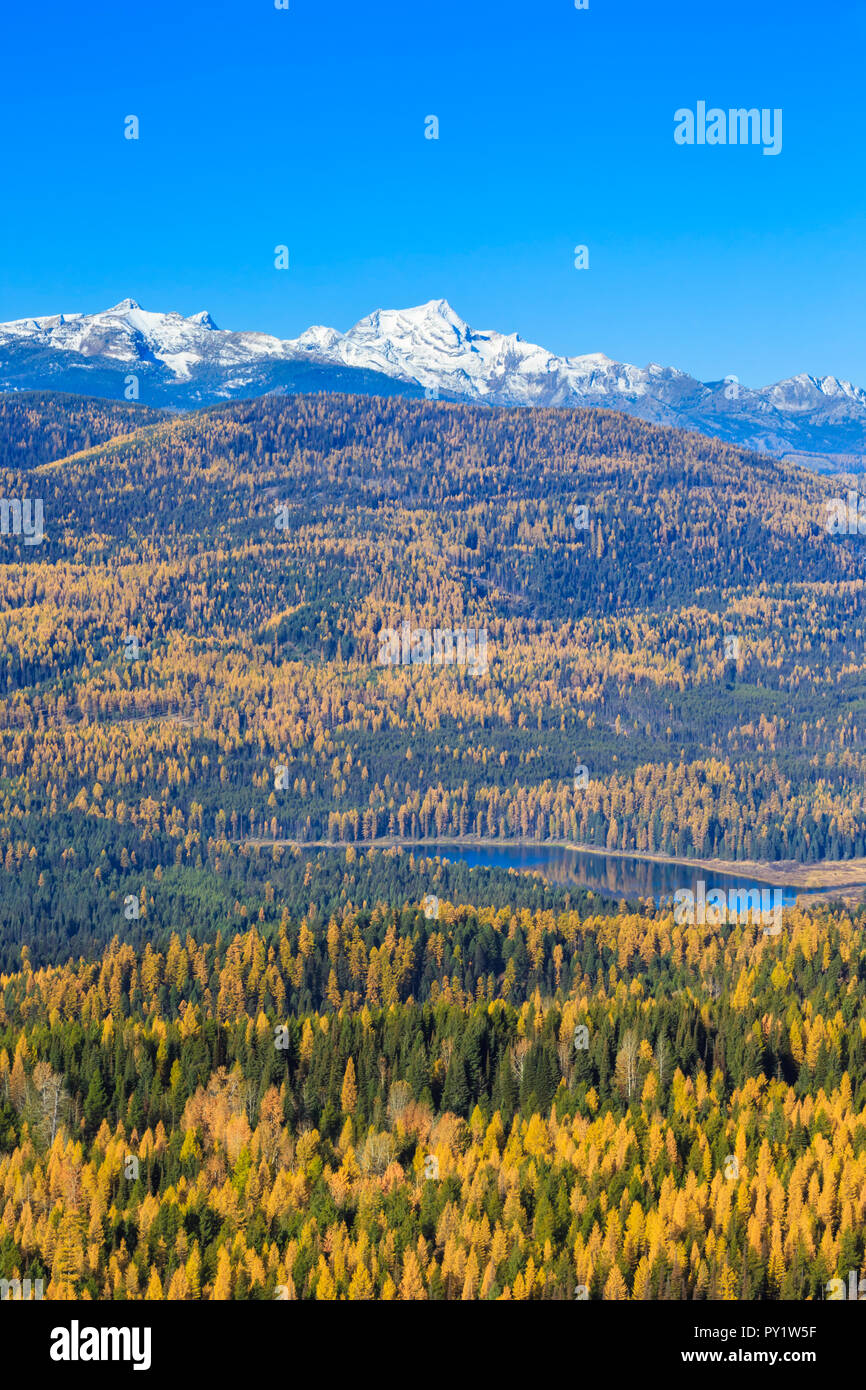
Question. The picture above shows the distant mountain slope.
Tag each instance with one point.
(169, 360)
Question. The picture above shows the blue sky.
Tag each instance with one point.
(305, 127)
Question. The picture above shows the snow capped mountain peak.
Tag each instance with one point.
(435, 306)
(123, 307)
(804, 392)
(127, 334)
(431, 345)
(316, 340)
(433, 311)
(435, 320)
(418, 314)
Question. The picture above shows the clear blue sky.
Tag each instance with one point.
(306, 127)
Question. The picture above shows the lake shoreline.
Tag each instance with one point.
(838, 875)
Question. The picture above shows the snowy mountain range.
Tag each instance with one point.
(429, 350)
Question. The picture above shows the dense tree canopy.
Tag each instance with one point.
(235, 1064)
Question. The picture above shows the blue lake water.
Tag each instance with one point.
(626, 877)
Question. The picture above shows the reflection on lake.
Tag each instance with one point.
(627, 877)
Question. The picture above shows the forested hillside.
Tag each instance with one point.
(495, 1104)
(38, 427)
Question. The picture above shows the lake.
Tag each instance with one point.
(626, 877)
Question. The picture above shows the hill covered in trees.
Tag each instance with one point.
(673, 661)
(372, 1107)
(38, 427)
